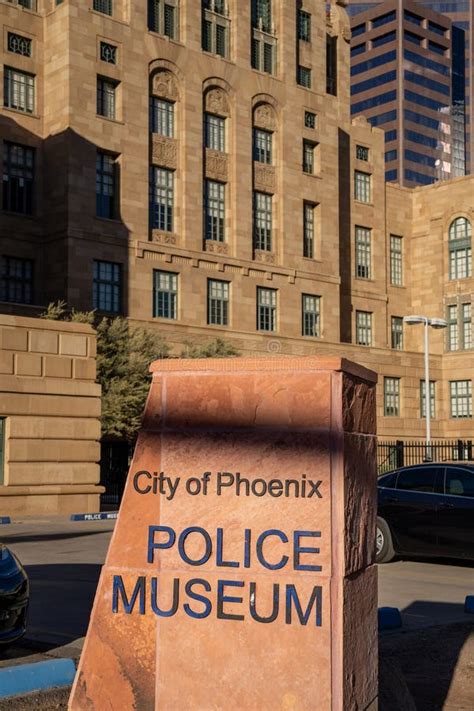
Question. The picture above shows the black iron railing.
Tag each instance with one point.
(400, 453)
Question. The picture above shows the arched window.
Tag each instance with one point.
(460, 254)
(264, 124)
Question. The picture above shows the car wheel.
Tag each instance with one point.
(384, 546)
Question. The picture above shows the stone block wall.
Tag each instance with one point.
(50, 406)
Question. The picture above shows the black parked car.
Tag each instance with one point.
(14, 597)
(426, 510)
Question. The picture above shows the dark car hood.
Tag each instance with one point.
(13, 578)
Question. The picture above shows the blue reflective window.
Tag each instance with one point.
(390, 155)
(374, 62)
(437, 29)
(391, 175)
(426, 63)
(420, 138)
(373, 82)
(373, 101)
(383, 39)
(423, 100)
(435, 47)
(421, 80)
(421, 158)
(421, 119)
(382, 118)
(358, 49)
(358, 30)
(383, 19)
(411, 37)
(411, 17)
(419, 178)
(390, 135)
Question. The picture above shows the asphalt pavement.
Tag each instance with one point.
(63, 560)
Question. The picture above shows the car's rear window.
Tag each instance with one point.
(387, 480)
(417, 479)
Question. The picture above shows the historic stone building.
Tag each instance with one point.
(193, 165)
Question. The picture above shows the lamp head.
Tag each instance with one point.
(410, 320)
(438, 323)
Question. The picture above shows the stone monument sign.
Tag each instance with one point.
(241, 570)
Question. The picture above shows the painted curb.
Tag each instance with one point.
(469, 604)
(95, 517)
(389, 618)
(25, 678)
(5, 519)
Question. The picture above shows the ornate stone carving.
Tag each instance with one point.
(164, 151)
(164, 85)
(216, 165)
(264, 177)
(216, 247)
(264, 257)
(264, 117)
(164, 237)
(216, 102)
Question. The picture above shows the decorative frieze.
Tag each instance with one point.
(216, 102)
(261, 255)
(165, 86)
(164, 237)
(216, 247)
(164, 151)
(264, 177)
(216, 167)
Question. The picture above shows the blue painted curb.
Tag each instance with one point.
(95, 517)
(25, 678)
(469, 604)
(389, 618)
(5, 519)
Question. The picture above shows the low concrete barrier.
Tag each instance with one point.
(25, 678)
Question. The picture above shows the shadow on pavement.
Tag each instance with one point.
(38, 537)
(436, 662)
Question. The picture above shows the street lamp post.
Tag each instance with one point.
(434, 323)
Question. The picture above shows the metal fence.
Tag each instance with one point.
(398, 453)
(115, 458)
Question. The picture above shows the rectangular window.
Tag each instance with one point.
(397, 333)
(391, 397)
(263, 52)
(262, 146)
(106, 92)
(460, 258)
(19, 90)
(262, 221)
(16, 280)
(304, 77)
(165, 294)
(308, 157)
(162, 117)
(396, 260)
(311, 324)
(108, 53)
(452, 319)
(423, 399)
(461, 398)
(262, 15)
(362, 186)
(304, 26)
(214, 207)
(363, 328)
(106, 189)
(308, 230)
(215, 27)
(466, 326)
(161, 199)
(18, 178)
(214, 132)
(331, 65)
(362, 153)
(266, 309)
(163, 17)
(363, 253)
(2, 449)
(19, 44)
(103, 6)
(217, 302)
(107, 287)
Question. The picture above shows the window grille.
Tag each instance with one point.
(262, 221)
(397, 333)
(214, 132)
(214, 201)
(19, 90)
(423, 399)
(108, 53)
(461, 398)
(460, 255)
(104, 6)
(362, 186)
(363, 328)
(308, 230)
(262, 146)
(396, 260)
(311, 315)
(165, 294)
(162, 117)
(19, 45)
(362, 153)
(161, 199)
(391, 387)
(163, 17)
(107, 286)
(363, 251)
(217, 302)
(266, 309)
(304, 26)
(215, 27)
(106, 94)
